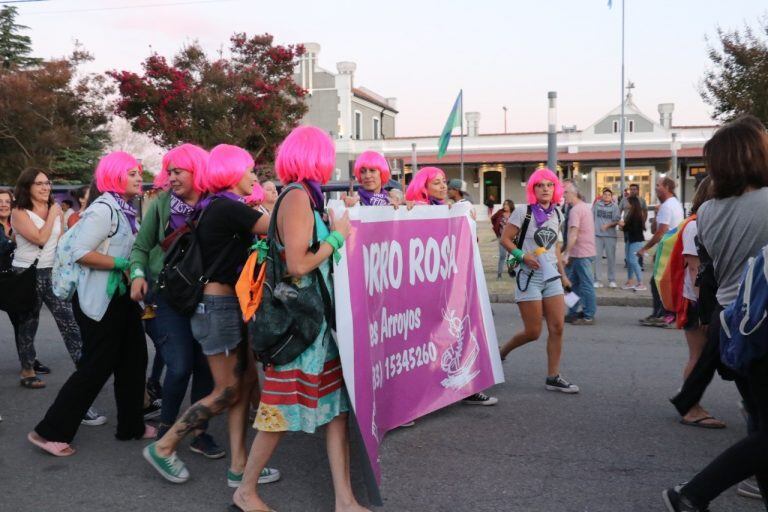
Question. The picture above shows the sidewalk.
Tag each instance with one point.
(502, 291)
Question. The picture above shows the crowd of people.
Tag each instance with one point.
(101, 270)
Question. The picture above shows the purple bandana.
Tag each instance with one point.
(368, 198)
(128, 210)
(435, 201)
(180, 212)
(540, 214)
(203, 203)
(315, 195)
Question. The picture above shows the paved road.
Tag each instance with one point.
(612, 448)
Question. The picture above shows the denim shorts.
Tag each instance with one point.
(536, 288)
(217, 324)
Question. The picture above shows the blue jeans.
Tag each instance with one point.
(633, 262)
(580, 274)
(183, 358)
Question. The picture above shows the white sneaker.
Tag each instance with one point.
(92, 418)
(598, 284)
(612, 284)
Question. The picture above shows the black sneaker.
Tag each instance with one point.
(207, 447)
(676, 502)
(749, 489)
(558, 383)
(40, 368)
(153, 409)
(154, 390)
(480, 399)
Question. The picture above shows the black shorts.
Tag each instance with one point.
(692, 321)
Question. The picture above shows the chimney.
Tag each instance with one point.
(307, 65)
(392, 102)
(473, 123)
(665, 114)
(347, 68)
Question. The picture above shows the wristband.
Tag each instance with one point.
(518, 254)
(121, 263)
(336, 241)
(137, 273)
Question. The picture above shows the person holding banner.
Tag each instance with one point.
(532, 237)
(372, 172)
(309, 391)
(429, 187)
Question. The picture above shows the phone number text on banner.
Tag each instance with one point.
(414, 322)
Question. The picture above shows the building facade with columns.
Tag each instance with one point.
(346, 111)
(499, 164)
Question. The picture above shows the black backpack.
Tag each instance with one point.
(289, 318)
(184, 276)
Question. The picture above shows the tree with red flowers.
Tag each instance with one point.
(248, 98)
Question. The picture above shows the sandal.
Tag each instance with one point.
(55, 449)
(713, 422)
(33, 382)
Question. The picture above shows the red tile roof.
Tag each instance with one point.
(541, 156)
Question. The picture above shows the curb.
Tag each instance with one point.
(634, 302)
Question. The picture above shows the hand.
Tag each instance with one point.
(641, 252)
(349, 201)
(55, 210)
(567, 283)
(621, 224)
(473, 214)
(605, 227)
(139, 289)
(342, 224)
(566, 259)
(410, 204)
(531, 261)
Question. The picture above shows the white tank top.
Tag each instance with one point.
(27, 252)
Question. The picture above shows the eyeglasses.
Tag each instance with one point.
(43, 183)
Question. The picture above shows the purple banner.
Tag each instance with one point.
(414, 325)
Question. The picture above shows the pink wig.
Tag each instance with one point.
(540, 175)
(188, 157)
(372, 160)
(306, 154)
(417, 189)
(257, 196)
(226, 167)
(112, 171)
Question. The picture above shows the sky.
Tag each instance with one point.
(500, 52)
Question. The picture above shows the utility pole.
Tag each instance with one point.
(552, 132)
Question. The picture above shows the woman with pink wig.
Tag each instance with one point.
(183, 179)
(305, 160)
(372, 173)
(539, 289)
(429, 186)
(225, 233)
(110, 322)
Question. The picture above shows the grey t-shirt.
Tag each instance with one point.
(733, 230)
(547, 235)
(606, 214)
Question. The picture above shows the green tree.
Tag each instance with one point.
(53, 117)
(247, 98)
(737, 82)
(15, 48)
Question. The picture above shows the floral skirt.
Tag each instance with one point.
(306, 393)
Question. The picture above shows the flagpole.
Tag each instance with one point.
(461, 96)
(622, 158)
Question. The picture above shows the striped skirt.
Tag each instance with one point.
(304, 394)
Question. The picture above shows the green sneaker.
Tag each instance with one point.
(267, 476)
(171, 468)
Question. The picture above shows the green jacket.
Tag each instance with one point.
(147, 255)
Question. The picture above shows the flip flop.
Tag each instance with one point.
(55, 449)
(235, 508)
(33, 382)
(698, 423)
